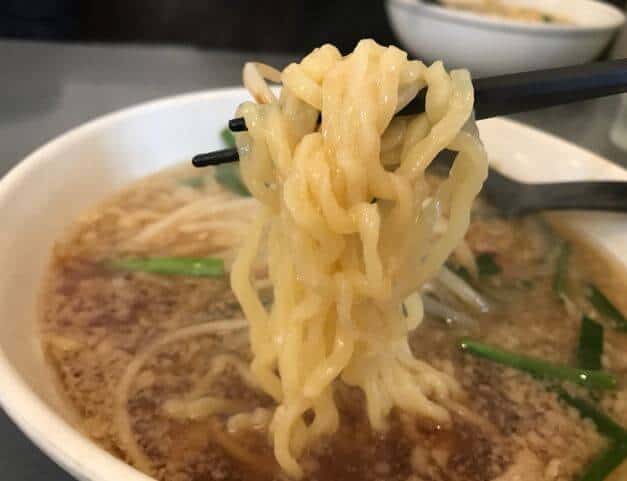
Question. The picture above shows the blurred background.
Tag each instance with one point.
(278, 26)
(66, 61)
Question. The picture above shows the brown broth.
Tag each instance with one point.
(95, 320)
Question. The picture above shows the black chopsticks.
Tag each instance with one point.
(504, 95)
(521, 92)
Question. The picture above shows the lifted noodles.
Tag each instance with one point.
(351, 230)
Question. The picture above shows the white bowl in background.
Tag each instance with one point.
(489, 45)
(42, 195)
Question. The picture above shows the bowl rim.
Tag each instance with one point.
(487, 22)
(68, 446)
(47, 429)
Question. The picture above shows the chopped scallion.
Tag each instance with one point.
(561, 270)
(616, 454)
(227, 137)
(487, 265)
(193, 182)
(606, 463)
(228, 175)
(540, 368)
(605, 425)
(179, 266)
(590, 348)
(605, 307)
(461, 271)
(525, 283)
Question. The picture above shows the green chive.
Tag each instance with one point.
(193, 182)
(590, 348)
(561, 270)
(487, 265)
(605, 425)
(461, 271)
(540, 368)
(606, 463)
(612, 457)
(605, 307)
(178, 266)
(227, 138)
(228, 176)
(525, 283)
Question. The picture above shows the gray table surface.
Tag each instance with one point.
(48, 88)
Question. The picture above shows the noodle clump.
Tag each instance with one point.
(351, 230)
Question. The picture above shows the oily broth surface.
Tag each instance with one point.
(94, 321)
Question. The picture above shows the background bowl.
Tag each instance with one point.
(491, 46)
(42, 195)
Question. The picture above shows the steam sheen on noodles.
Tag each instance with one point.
(351, 230)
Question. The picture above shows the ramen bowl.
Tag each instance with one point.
(41, 196)
(490, 45)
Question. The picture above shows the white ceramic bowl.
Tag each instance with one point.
(490, 46)
(42, 195)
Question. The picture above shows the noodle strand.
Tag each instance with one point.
(351, 231)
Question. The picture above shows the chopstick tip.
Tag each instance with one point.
(215, 158)
(237, 125)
